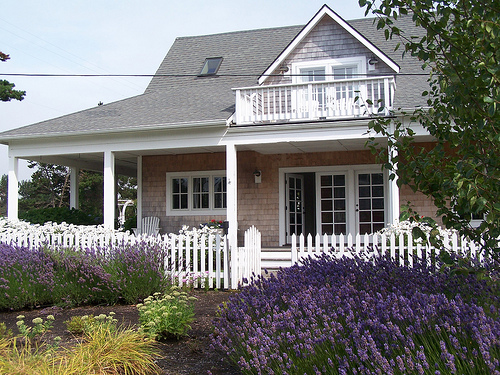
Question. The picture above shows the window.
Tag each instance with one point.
(329, 70)
(196, 193)
(211, 66)
(313, 74)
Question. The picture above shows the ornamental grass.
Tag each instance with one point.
(350, 316)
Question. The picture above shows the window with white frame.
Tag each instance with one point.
(329, 70)
(196, 193)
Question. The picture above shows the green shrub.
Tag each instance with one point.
(59, 215)
(130, 223)
(167, 316)
(84, 324)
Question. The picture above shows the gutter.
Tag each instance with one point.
(179, 125)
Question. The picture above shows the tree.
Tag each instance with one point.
(461, 50)
(7, 92)
(48, 187)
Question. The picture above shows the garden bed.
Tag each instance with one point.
(189, 355)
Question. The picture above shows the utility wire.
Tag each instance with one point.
(194, 75)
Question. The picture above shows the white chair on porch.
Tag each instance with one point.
(150, 226)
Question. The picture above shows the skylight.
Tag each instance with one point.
(211, 66)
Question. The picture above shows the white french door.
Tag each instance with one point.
(351, 202)
(294, 210)
(370, 202)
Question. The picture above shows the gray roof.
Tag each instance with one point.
(176, 95)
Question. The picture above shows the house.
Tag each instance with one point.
(263, 127)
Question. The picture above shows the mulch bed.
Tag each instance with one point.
(189, 355)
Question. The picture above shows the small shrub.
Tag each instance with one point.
(4, 332)
(38, 328)
(166, 316)
(58, 215)
(84, 324)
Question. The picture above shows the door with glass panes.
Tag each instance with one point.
(294, 205)
(365, 191)
(370, 204)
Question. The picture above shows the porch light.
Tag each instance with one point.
(283, 68)
(257, 174)
(373, 61)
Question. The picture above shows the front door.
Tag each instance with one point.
(295, 205)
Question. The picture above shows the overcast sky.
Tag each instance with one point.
(115, 37)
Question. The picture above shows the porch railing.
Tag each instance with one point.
(322, 100)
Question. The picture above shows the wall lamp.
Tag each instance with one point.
(283, 68)
(373, 61)
(257, 175)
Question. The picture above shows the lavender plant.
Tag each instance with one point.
(349, 316)
(137, 271)
(26, 277)
(43, 276)
(81, 277)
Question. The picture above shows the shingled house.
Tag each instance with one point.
(257, 127)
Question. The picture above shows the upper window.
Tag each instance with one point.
(211, 66)
(329, 70)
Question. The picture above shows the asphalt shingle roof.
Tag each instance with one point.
(176, 95)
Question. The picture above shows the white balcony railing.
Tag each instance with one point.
(315, 100)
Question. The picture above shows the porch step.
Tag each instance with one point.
(273, 258)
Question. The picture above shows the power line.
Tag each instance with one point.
(190, 75)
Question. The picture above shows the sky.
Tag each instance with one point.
(115, 37)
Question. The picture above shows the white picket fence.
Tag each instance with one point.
(199, 261)
(206, 261)
(401, 248)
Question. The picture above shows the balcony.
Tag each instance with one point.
(313, 101)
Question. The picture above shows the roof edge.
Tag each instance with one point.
(179, 125)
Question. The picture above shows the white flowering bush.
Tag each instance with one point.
(25, 228)
(202, 230)
(416, 229)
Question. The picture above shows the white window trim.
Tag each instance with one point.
(190, 211)
(329, 64)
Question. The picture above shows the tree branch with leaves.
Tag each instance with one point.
(460, 171)
(7, 92)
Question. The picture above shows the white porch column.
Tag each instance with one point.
(13, 189)
(139, 193)
(109, 190)
(74, 182)
(393, 188)
(232, 204)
